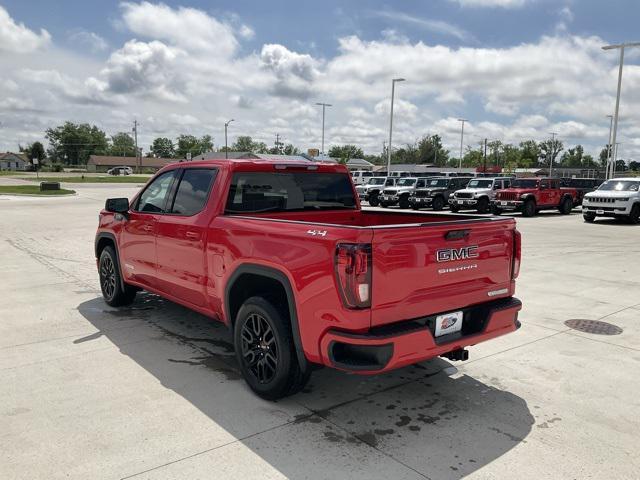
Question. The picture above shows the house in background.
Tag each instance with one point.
(102, 163)
(14, 161)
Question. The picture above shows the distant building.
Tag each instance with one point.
(14, 161)
(102, 163)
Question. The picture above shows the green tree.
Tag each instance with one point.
(573, 157)
(588, 162)
(122, 145)
(72, 143)
(633, 165)
(621, 166)
(549, 150)
(163, 147)
(529, 153)
(473, 158)
(604, 155)
(430, 150)
(290, 149)
(35, 150)
(511, 157)
(495, 153)
(193, 145)
(346, 152)
(243, 143)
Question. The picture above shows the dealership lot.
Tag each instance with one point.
(152, 391)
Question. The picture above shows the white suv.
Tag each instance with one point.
(478, 194)
(618, 197)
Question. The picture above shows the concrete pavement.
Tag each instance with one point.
(152, 391)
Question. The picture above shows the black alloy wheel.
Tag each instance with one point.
(108, 277)
(259, 348)
(529, 208)
(483, 205)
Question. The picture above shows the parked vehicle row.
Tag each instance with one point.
(531, 195)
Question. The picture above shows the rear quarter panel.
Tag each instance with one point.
(306, 259)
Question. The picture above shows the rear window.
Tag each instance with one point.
(193, 191)
(270, 192)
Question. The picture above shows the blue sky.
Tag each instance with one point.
(515, 68)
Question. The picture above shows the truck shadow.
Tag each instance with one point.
(428, 418)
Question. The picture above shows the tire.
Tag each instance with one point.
(454, 208)
(634, 215)
(110, 281)
(384, 205)
(373, 200)
(566, 206)
(415, 206)
(438, 203)
(404, 202)
(265, 350)
(495, 210)
(529, 208)
(483, 205)
(589, 217)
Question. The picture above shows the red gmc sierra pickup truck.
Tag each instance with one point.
(283, 255)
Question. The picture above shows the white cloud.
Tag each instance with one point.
(16, 37)
(187, 28)
(492, 3)
(91, 39)
(144, 68)
(294, 72)
(435, 26)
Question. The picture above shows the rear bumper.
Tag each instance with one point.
(405, 343)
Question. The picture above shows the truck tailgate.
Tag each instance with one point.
(439, 267)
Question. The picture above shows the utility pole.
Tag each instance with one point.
(135, 136)
(226, 145)
(615, 160)
(621, 47)
(435, 150)
(553, 149)
(485, 155)
(393, 91)
(323, 105)
(278, 142)
(461, 142)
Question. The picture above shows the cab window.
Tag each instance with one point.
(193, 191)
(154, 198)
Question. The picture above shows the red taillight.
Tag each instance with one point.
(353, 274)
(517, 254)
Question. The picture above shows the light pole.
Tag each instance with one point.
(226, 147)
(461, 141)
(609, 147)
(553, 148)
(393, 91)
(621, 47)
(323, 105)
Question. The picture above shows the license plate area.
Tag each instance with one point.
(448, 323)
(599, 212)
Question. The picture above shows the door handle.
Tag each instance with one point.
(192, 235)
(148, 228)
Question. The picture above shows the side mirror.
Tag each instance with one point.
(117, 205)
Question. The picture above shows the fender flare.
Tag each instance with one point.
(110, 236)
(279, 276)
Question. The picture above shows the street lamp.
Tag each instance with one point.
(621, 47)
(226, 147)
(461, 141)
(323, 105)
(610, 117)
(393, 90)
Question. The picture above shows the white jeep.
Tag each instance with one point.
(478, 194)
(618, 198)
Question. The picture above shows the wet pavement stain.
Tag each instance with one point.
(306, 418)
(213, 363)
(369, 438)
(548, 422)
(404, 420)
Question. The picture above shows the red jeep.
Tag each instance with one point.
(283, 255)
(530, 195)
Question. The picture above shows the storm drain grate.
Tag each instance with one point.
(593, 326)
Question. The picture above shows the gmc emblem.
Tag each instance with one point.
(452, 254)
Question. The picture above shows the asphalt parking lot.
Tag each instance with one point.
(152, 391)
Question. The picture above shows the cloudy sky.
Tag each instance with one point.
(516, 69)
